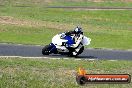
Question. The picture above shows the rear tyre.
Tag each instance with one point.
(80, 51)
(45, 50)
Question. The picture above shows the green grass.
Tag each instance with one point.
(117, 39)
(37, 25)
(26, 35)
(47, 73)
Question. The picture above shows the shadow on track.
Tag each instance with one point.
(65, 56)
(87, 57)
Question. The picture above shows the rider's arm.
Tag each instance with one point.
(78, 41)
(69, 33)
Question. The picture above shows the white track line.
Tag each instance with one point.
(90, 59)
(113, 60)
(50, 58)
(78, 59)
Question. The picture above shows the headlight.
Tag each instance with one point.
(62, 35)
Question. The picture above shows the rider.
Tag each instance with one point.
(77, 34)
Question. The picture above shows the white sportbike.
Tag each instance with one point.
(62, 46)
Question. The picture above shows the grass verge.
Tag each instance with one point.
(49, 73)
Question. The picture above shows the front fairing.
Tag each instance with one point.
(56, 40)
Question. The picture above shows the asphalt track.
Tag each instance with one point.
(35, 51)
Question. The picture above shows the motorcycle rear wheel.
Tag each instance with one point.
(81, 50)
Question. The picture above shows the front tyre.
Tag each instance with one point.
(45, 50)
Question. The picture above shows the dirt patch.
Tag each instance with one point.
(100, 0)
(19, 22)
(126, 0)
(110, 0)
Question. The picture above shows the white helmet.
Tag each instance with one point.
(78, 30)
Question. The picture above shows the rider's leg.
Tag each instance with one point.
(77, 50)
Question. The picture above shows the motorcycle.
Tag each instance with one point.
(63, 46)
